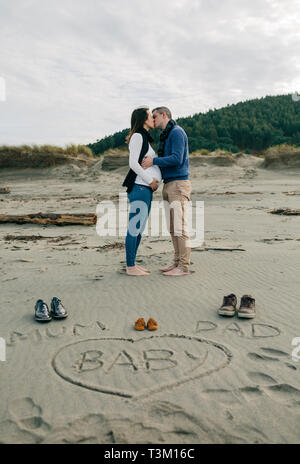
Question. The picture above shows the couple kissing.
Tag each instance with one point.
(147, 170)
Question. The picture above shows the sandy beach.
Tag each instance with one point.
(200, 378)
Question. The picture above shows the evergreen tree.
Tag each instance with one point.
(252, 125)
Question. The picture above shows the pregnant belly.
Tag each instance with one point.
(155, 172)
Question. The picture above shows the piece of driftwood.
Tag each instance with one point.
(85, 219)
(296, 192)
(4, 189)
(216, 249)
(228, 193)
(107, 246)
(286, 211)
(27, 238)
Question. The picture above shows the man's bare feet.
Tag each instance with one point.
(142, 268)
(169, 268)
(175, 272)
(135, 271)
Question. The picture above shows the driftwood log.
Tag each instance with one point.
(286, 211)
(85, 219)
(4, 189)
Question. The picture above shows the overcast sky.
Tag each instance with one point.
(74, 70)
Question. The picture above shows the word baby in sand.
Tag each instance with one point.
(152, 359)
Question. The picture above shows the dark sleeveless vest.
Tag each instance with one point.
(131, 175)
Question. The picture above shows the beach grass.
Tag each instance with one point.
(40, 156)
(282, 156)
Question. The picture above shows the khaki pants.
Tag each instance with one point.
(177, 193)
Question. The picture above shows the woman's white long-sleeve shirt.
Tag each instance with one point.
(144, 176)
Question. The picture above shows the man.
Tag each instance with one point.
(173, 160)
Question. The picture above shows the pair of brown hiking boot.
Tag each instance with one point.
(140, 324)
(246, 309)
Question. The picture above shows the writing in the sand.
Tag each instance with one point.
(154, 359)
(37, 335)
(99, 363)
(254, 330)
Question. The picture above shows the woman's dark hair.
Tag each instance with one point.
(138, 118)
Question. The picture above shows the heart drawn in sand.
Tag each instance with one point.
(133, 368)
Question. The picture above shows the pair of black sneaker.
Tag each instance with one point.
(43, 314)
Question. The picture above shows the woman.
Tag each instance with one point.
(140, 183)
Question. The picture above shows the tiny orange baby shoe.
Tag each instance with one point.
(152, 324)
(140, 324)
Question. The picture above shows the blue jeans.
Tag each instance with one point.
(140, 199)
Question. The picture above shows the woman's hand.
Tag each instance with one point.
(154, 184)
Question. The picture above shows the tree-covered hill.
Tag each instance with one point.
(251, 126)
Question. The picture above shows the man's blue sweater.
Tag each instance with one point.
(174, 164)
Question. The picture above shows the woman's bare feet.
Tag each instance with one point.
(135, 271)
(142, 268)
(169, 268)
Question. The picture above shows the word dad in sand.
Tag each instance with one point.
(254, 330)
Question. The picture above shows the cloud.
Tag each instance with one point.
(75, 70)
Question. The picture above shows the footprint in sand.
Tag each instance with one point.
(271, 354)
(274, 352)
(158, 422)
(280, 392)
(265, 385)
(281, 354)
(285, 393)
(10, 433)
(183, 427)
(261, 378)
(28, 416)
(260, 357)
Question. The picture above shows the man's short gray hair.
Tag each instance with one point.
(163, 109)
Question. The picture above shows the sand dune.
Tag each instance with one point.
(282, 157)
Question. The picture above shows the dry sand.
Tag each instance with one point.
(200, 378)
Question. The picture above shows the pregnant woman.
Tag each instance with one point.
(140, 183)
